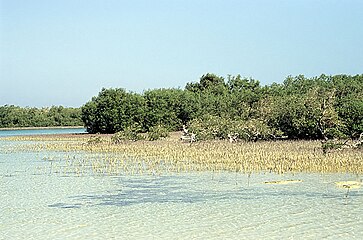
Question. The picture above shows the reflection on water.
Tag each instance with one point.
(39, 203)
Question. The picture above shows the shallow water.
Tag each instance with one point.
(7, 133)
(39, 201)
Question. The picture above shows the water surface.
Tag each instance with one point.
(22, 132)
(46, 199)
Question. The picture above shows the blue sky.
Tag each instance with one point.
(64, 52)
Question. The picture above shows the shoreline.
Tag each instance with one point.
(40, 128)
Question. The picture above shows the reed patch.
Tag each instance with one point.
(172, 155)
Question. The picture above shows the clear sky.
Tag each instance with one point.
(63, 52)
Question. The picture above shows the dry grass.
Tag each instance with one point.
(172, 155)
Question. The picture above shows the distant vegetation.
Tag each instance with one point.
(14, 116)
(322, 107)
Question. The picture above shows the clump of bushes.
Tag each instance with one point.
(331, 145)
(157, 132)
(255, 129)
(94, 140)
(134, 133)
(218, 128)
(131, 133)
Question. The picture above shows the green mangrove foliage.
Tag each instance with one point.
(166, 107)
(323, 107)
(158, 132)
(216, 128)
(13, 116)
(113, 110)
(130, 133)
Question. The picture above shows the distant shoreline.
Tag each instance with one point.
(40, 128)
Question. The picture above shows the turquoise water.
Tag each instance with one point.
(6, 133)
(47, 199)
